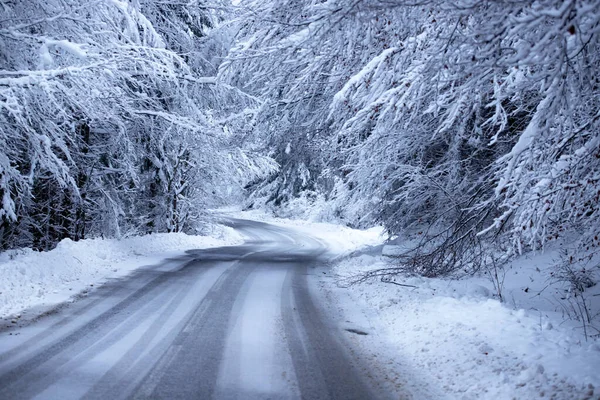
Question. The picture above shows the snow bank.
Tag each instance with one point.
(458, 340)
(42, 279)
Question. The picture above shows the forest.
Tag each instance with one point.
(469, 128)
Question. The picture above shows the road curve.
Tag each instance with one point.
(233, 322)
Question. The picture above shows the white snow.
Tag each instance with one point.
(526, 138)
(455, 340)
(257, 358)
(360, 77)
(45, 57)
(435, 338)
(297, 38)
(340, 240)
(76, 49)
(42, 279)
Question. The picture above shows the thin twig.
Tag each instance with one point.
(399, 284)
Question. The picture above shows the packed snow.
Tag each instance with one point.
(40, 280)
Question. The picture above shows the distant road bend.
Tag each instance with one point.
(233, 322)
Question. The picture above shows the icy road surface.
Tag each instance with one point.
(238, 322)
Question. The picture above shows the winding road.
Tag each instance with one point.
(239, 322)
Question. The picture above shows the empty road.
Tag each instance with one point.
(235, 322)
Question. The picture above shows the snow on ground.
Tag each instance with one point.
(341, 240)
(43, 279)
(439, 339)
(455, 339)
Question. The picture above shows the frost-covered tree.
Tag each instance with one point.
(110, 118)
(269, 61)
(455, 121)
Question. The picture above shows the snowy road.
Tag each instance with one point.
(232, 322)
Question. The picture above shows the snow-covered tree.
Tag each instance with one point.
(108, 118)
(455, 121)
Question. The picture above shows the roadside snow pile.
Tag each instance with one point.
(464, 343)
(31, 279)
(340, 240)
